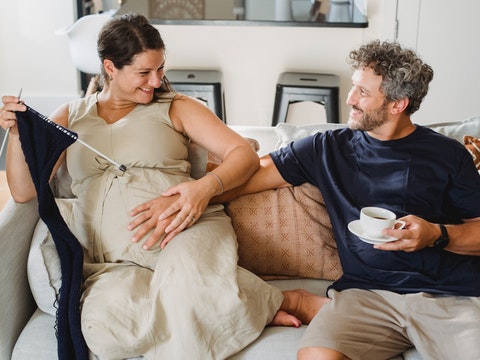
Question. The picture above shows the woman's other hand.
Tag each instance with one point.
(146, 218)
(8, 119)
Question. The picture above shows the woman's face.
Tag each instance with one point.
(136, 82)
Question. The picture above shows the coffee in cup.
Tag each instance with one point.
(375, 219)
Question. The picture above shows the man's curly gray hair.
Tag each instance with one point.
(403, 73)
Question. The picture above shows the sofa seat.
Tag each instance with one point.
(37, 340)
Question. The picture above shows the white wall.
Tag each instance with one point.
(250, 57)
(445, 33)
(32, 57)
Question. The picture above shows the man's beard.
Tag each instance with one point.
(370, 120)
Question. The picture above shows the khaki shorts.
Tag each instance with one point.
(377, 324)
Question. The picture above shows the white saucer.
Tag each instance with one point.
(356, 228)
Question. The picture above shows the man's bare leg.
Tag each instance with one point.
(298, 307)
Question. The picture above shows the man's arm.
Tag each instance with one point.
(265, 178)
(464, 238)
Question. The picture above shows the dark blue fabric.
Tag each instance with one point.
(42, 144)
(424, 174)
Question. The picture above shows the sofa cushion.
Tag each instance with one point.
(37, 340)
(265, 135)
(456, 130)
(288, 132)
(473, 146)
(285, 233)
(198, 158)
(213, 161)
(43, 283)
(466, 132)
(43, 264)
(202, 161)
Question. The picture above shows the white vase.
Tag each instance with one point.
(283, 10)
(340, 11)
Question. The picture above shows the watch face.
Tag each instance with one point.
(177, 9)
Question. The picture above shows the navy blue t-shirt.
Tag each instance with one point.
(424, 174)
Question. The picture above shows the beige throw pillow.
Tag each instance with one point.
(473, 146)
(285, 233)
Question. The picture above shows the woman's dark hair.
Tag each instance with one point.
(403, 73)
(124, 37)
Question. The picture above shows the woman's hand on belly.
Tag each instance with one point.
(146, 218)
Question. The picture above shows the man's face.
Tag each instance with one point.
(369, 106)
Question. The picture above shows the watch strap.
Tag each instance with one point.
(443, 240)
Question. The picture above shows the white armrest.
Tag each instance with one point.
(17, 223)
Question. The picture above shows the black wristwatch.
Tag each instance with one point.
(443, 240)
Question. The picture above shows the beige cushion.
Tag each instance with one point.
(198, 158)
(473, 146)
(285, 233)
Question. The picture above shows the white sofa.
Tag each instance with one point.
(26, 320)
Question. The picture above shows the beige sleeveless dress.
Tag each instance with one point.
(188, 301)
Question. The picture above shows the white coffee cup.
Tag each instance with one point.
(375, 219)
